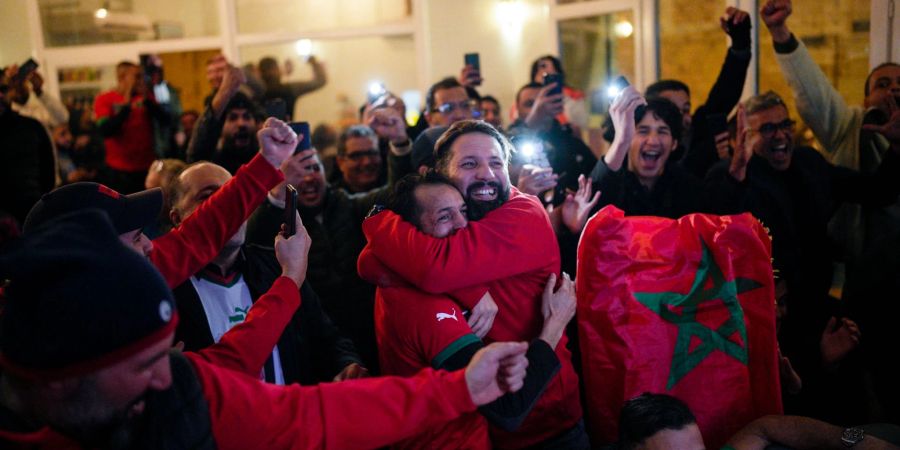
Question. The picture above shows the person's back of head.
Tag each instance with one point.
(655, 89)
(646, 419)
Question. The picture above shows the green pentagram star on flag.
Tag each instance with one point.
(662, 303)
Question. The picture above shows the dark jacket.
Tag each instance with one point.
(311, 349)
(796, 205)
(674, 194)
(337, 240)
(26, 163)
(701, 150)
(567, 154)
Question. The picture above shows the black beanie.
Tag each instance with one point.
(78, 300)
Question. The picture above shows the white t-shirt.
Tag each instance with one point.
(227, 306)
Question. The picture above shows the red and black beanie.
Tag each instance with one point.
(78, 300)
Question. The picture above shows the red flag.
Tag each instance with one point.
(682, 307)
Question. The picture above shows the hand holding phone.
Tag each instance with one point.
(551, 78)
(26, 68)
(290, 211)
(473, 75)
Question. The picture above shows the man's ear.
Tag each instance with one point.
(174, 217)
(674, 144)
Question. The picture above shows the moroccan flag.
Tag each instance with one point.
(682, 307)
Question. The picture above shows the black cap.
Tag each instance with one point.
(78, 300)
(127, 212)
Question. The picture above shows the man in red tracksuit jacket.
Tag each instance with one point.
(510, 248)
(101, 375)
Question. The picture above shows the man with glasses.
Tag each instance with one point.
(446, 103)
(537, 108)
(359, 160)
(795, 191)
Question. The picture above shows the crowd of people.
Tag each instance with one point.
(153, 295)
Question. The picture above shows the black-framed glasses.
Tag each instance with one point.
(360, 155)
(768, 130)
(465, 106)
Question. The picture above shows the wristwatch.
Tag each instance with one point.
(851, 436)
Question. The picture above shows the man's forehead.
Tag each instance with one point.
(434, 197)
(451, 94)
(775, 113)
(238, 111)
(889, 72)
(528, 93)
(476, 144)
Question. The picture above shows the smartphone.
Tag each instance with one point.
(551, 78)
(472, 59)
(717, 123)
(290, 210)
(302, 128)
(26, 68)
(276, 108)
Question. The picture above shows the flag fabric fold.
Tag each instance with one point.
(683, 307)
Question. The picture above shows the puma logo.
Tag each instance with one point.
(442, 316)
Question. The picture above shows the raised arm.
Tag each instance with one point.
(819, 104)
(183, 251)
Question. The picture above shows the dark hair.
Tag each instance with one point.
(490, 98)
(323, 136)
(655, 89)
(442, 147)
(355, 131)
(878, 67)
(664, 110)
(267, 63)
(556, 65)
(446, 83)
(240, 100)
(402, 199)
(647, 414)
(531, 85)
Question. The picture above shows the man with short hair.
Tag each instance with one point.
(359, 160)
(697, 148)
(270, 72)
(491, 111)
(125, 117)
(103, 375)
(447, 102)
(227, 139)
(417, 330)
(657, 422)
(490, 252)
(217, 297)
(333, 218)
(795, 192)
(537, 110)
